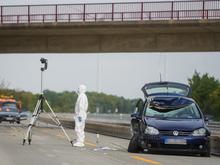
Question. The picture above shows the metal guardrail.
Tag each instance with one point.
(124, 120)
(99, 12)
(214, 127)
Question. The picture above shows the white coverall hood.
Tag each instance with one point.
(82, 89)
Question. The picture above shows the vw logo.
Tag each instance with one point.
(175, 133)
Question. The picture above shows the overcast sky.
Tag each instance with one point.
(119, 74)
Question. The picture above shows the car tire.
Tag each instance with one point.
(208, 152)
(18, 122)
(133, 145)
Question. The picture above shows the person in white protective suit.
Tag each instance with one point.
(81, 108)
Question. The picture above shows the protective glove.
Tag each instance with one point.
(79, 119)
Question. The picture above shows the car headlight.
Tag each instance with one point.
(199, 132)
(151, 131)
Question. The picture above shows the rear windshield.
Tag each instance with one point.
(183, 112)
(167, 90)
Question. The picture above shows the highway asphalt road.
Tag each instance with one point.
(50, 147)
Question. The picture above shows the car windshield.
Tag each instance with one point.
(184, 112)
(4, 109)
(9, 105)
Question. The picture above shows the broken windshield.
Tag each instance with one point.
(178, 112)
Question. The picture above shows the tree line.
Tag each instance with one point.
(205, 90)
(65, 101)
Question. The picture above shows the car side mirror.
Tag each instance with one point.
(136, 116)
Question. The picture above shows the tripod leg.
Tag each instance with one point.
(29, 139)
(56, 120)
(33, 119)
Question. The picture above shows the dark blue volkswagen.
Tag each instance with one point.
(169, 120)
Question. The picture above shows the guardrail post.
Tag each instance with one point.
(178, 14)
(56, 13)
(207, 14)
(84, 12)
(28, 13)
(142, 10)
(1, 14)
(112, 11)
(203, 9)
(172, 10)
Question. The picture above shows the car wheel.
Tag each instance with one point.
(18, 122)
(133, 145)
(208, 152)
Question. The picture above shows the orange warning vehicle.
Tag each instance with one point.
(9, 109)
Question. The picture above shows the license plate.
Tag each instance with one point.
(9, 118)
(175, 141)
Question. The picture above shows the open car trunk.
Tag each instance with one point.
(166, 88)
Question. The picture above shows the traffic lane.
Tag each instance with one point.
(49, 146)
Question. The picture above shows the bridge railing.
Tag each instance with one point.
(170, 10)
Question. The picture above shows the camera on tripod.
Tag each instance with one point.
(43, 61)
(40, 108)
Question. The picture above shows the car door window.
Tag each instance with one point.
(139, 107)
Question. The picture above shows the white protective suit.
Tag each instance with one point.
(81, 108)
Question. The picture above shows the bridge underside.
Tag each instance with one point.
(109, 37)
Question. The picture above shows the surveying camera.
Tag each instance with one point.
(40, 108)
(43, 61)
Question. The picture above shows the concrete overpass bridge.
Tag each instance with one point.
(172, 26)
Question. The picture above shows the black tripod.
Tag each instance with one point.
(40, 108)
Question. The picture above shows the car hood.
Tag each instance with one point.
(181, 125)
